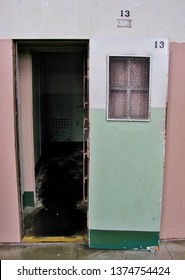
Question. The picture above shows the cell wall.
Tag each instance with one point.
(9, 199)
(88, 19)
(173, 211)
(82, 19)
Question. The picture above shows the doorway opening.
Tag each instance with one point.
(60, 127)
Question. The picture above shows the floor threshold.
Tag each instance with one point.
(54, 239)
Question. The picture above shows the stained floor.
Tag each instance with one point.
(60, 210)
(80, 251)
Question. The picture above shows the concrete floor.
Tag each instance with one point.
(79, 251)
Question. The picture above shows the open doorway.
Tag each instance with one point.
(60, 125)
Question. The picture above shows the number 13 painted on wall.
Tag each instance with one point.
(125, 13)
(159, 44)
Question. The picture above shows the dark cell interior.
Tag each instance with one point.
(61, 210)
(59, 142)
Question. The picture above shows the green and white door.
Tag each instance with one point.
(128, 89)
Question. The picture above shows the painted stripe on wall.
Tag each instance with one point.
(28, 199)
(124, 240)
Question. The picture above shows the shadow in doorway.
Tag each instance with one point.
(60, 210)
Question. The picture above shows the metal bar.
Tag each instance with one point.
(84, 105)
(125, 89)
(128, 88)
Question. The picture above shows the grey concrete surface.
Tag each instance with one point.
(79, 251)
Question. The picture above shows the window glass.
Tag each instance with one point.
(128, 96)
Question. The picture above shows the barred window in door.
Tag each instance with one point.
(128, 88)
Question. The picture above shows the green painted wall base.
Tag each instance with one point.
(28, 199)
(125, 240)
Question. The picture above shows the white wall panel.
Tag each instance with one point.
(51, 19)
(44, 19)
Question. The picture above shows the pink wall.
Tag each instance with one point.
(9, 213)
(173, 209)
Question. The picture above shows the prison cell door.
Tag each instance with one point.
(128, 86)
